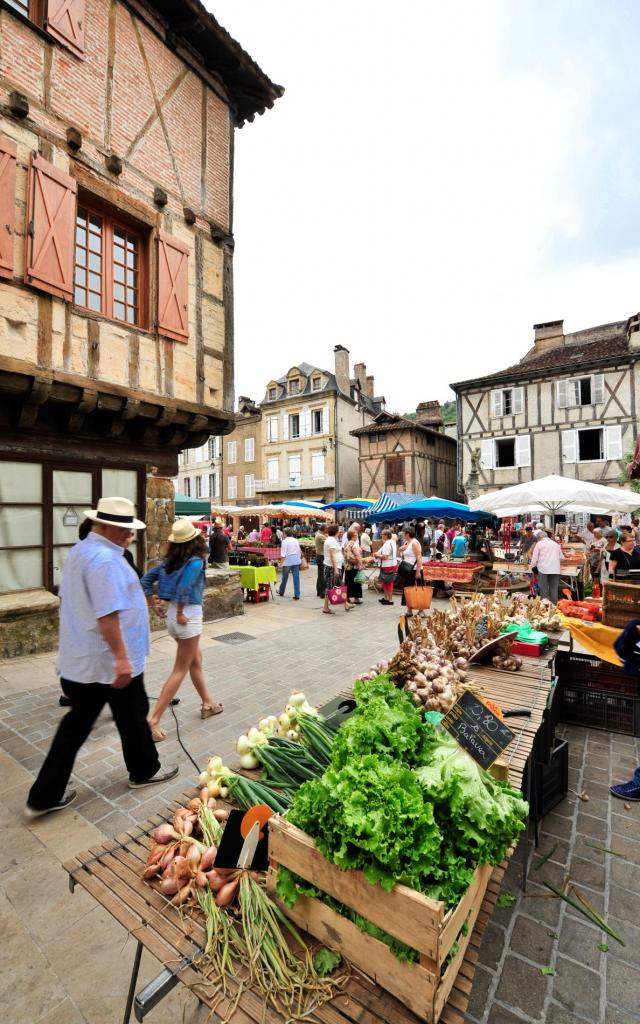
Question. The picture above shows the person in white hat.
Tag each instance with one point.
(180, 579)
(219, 545)
(104, 641)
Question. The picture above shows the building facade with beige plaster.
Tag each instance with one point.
(117, 124)
(570, 406)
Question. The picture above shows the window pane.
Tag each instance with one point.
(79, 297)
(121, 483)
(81, 256)
(95, 262)
(81, 217)
(118, 311)
(94, 282)
(81, 276)
(131, 278)
(118, 272)
(94, 302)
(20, 570)
(81, 236)
(118, 292)
(132, 259)
(95, 222)
(71, 487)
(20, 481)
(20, 525)
(131, 315)
(67, 534)
(95, 242)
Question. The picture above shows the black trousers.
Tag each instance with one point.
(129, 706)
(320, 580)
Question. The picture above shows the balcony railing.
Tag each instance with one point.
(295, 482)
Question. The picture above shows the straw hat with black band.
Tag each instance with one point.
(115, 512)
(183, 531)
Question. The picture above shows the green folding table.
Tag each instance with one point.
(251, 576)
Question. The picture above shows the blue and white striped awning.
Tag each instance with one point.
(390, 500)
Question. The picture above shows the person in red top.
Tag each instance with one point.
(265, 534)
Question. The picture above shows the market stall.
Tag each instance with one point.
(387, 749)
(256, 580)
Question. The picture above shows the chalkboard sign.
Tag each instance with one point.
(231, 845)
(478, 731)
(338, 710)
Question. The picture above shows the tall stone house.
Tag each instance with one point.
(225, 469)
(570, 406)
(117, 123)
(200, 471)
(308, 415)
(403, 454)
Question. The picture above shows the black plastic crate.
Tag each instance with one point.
(586, 672)
(552, 780)
(545, 737)
(600, 710)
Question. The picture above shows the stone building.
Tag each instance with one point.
(412, 455)
(117, 122)
(242, 455)
(308, 416)
(200, 471)
(570, 406)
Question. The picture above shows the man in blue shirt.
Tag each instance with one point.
(103, 644)
(459, 545)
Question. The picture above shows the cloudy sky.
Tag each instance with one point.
(436, 179)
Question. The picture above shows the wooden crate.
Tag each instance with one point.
(420, 922)
(620, 603)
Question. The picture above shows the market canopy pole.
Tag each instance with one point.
(556, 494)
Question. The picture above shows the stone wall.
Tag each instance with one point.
(28, 623)
(159, 517)
(222, 598)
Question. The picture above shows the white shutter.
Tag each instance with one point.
(486, 454)
(523, 450)
(518, 401)
(597, 388)
(285, 427)
(305, 424)
(569, 446)
(496, 403)
(561, 391)
(612, 443)
(325, 420)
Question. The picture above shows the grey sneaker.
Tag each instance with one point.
(35, 812)
(162, 775)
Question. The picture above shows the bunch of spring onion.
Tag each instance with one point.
(287, 764)
(285, 725)
(246, 793)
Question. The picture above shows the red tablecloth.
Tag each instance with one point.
(453, 572)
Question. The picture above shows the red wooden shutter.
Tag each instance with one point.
(395, 471)
(8, 152)
(173, 288)
(51, 220)
(65, 22)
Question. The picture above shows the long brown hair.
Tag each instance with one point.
(179, 554)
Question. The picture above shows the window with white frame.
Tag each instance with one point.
(187, 487)
(273, 469)
(317, 421)
(198, 487)
(506, 452)
(272, 428)
(294, 425)
(213, 485)
(232, 487)
(580, 391)
(295, 473)
(249, 449)
(249, 485)
(592, 444)
(214, 447)
(507, 401)
(231, 452)
(316, 383)
(317, 465)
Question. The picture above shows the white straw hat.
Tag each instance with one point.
(183, 531)
(115, 512)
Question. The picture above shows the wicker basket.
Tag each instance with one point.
(620, 604)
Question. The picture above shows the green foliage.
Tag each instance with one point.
(387, 722)
(325, 961)
(449, 411)
(623, 478)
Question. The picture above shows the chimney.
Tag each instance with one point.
(429, 414)
(547, 336)
(633, 331)
(360, 373)
(341, 355)
(370, 389)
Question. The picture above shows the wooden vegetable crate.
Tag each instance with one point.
(620, 604)
(420, 922)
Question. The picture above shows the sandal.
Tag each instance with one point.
(327, 611)
(157, 734)
(207, 712)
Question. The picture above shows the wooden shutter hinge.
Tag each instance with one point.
(31, 229)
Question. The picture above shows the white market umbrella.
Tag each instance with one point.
(556, 494)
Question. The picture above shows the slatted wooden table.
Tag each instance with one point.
(111, 874)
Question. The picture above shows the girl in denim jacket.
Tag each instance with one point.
(180, 579)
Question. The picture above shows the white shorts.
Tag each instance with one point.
(193, 612)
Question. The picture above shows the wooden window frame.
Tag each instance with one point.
(115, 220)
(34, 13)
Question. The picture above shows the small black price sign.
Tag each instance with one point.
(340, 708)
(478, 731)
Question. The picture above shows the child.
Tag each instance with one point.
(180, 578)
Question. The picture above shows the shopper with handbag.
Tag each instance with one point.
(352, 554)
(411, 563)
(333, 564)
(388, 559)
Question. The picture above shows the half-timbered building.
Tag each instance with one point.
(568, 407)
(117, 122)
(407, 455)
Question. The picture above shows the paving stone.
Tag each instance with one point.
(596, 899)
(556, 825)
(588, 872)
(595, 828)
(479, 993)
(522, 987)
(537, 904)
(577, 988)
(500, 1015)
(600, 761)
(580, 942)
(629, 848)
(623, 985)
(96, 809)
(625, 824)
(613, 1015)
(492, 945)
(624, 903)
(561, 851)
(531, 940)
(557, 1014)
(625, 874)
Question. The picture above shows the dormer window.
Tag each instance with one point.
(316, 383)
(273, 394)
(294, 386)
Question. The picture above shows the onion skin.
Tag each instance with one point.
(227, 893)
(215, 880)
(201, 879)
(151, 871)
(208, 857)
(182, 896)
(169, 886)
(220, 814)
(193, 857)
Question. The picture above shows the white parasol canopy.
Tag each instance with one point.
(556, 494)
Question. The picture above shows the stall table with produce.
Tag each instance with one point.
(387, 840)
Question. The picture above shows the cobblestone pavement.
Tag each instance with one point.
(64, 957)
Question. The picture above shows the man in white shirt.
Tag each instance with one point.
(290, 560)
(104, 641)
(546, 558)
